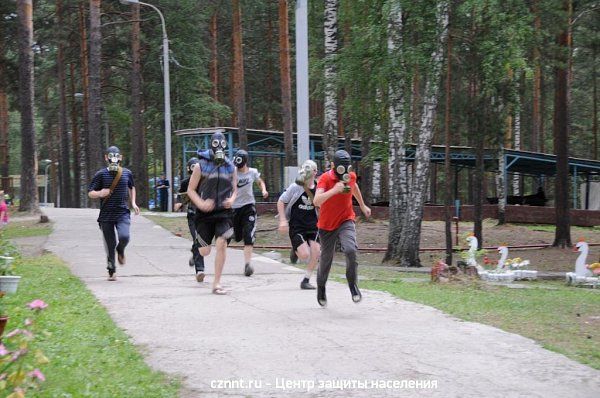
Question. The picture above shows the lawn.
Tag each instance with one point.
(89, 355)
(561, 318)
(26, 228)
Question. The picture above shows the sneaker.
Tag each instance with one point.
(248, 270)
(305, 285)
(356, 295)
(111, 275)
(191, 261)
(321, 296)
(293, 257)
(121, 258)
(200, 277)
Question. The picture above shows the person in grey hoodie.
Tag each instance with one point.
(298, 216)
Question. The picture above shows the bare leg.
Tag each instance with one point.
(248, 253)
(221, 247)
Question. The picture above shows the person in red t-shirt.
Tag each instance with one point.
(336, 221)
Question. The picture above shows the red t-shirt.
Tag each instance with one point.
(337, 208)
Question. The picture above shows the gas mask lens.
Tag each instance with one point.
(219, 144)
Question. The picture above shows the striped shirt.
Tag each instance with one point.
(117, 206)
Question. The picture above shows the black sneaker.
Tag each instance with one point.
(305, 285)
(356, 295)
(248, 270)
(111, 275)
(293, 257)
(321, 296)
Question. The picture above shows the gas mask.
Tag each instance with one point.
(218, 143)
(191, 163)
(240, 159)
(113, 158)
(306, 172)
(343, 168)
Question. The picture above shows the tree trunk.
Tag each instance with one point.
(87, 171)
(562, 235)
(516, 182)
(64, 158)
(4, 128)
(286, 83)
(29, 197)
(594, 103)
(76, 199)
(214, 62)
(94, 141)
(447, 166)
(479, 170)
(537, 73)
(397, 168)
(365, 169)
(139, 162)
(407, 252)
(330, 120)
(238, 74)
(268, 116)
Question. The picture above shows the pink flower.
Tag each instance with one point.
(37, 304)
(37, 374)
(3, 350)
(13, 333)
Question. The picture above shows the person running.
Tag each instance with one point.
(298, 216)
(212, 189)
(196, 261)
(244, 209)
(114, 185)
(336, 221)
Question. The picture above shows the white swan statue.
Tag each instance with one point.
(582, 274)
(503, 250)
(515, 265)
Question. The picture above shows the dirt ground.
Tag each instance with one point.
(374, 235)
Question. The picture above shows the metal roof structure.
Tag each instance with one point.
(269, 143)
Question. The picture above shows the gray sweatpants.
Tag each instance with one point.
(346, 233)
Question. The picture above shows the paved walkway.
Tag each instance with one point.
(270, 333)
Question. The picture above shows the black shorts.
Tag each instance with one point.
(244, 224)
(298, 237)
(209, 227)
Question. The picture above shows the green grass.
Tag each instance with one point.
(89, 355)
(24, 229)
(561, 318)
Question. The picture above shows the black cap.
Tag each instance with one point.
(113, 149)
(341, 157)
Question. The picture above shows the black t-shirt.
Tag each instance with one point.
(304, 216)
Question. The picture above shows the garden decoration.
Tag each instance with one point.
(516, 265)
(582, 276)
(8, 281)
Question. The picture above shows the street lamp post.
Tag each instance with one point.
(167, 95)
(302, 114)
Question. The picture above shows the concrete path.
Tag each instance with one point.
(267, 338)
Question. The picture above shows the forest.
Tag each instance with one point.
(77, 76)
